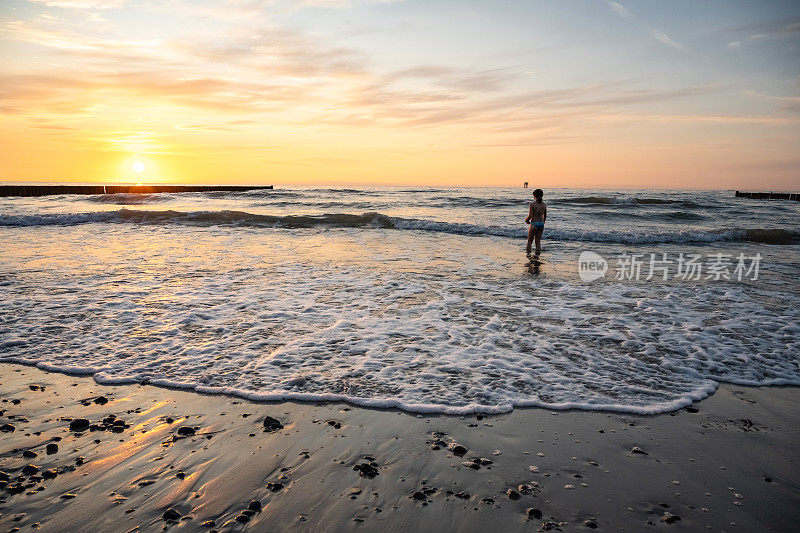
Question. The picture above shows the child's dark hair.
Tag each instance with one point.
(538, 193)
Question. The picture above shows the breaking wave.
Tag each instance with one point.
(378, 220)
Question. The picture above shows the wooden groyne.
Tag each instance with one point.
(769, 195)
(45, 190)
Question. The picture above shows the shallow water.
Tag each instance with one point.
(419, 298)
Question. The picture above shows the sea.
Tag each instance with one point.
(416, 298)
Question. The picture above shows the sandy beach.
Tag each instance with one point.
(78, 456)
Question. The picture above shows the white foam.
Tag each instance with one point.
(391, 320)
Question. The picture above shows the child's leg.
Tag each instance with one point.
(538, 241)
(531, 233)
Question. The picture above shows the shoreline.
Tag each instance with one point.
(381, 404)
(336, 467)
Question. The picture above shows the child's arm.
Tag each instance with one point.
(530, 214)
(544, 215)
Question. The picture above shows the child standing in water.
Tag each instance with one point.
(536, 218)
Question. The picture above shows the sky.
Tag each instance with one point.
(569, 93)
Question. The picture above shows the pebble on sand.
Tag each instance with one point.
(670, 518)
(272, 424)
(366, 470)
(171, 514)
(534, 513)
(52, 448)
(457, 449)
(79, 424)
(638, 450)
(254, 505)
(186, 431)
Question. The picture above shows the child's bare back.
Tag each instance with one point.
(537, 215)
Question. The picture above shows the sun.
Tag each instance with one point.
(138, 167)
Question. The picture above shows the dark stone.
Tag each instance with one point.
(526, 489)
(79, 424)
(670, 518)
(534, 513)
(591, 524)
(4, 476)
(274, 487)
(29, 470)
(209, 523)
(463, 495)
(512, 494)
(255, 506)
(68, 496)
(52, 448)
(419, 496)
(186, 431)
(457, 449)
(272, 424)
(171, 514)
(488, 501)
(768, 479)
(170, 420)
(79, 461)
(101, 400)
(49, 473)
(242, 519)
(366, 470)
(117, 429)
(692, 410)
(29, 454)
(7, 428)
(120, 423)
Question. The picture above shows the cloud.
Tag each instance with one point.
(619, 9)
(787, 26)
(657, 34)
(664, 38)
(82, 4)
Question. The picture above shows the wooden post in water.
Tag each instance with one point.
(769, 195)
(46, 190)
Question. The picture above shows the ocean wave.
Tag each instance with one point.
(608, 200)
(378, 220)
(123, 198)
(474, 201)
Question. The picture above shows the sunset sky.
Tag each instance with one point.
(591, 93)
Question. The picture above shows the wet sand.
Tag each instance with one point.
(154, 459)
